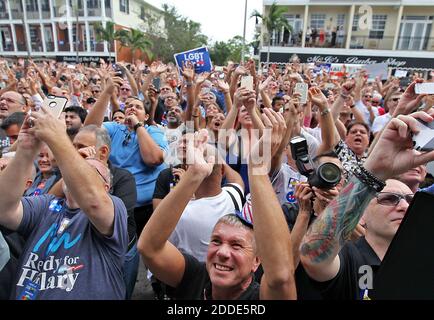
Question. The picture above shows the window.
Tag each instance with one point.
(93, 4)
(45, 5)
(317, 20)
(341, 20)
(356, 22)
(378, 26)
(124, 6)
(31, 5)
(142, 13)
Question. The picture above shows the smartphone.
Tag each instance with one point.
(424, 140)
(156, 82)
(301, 88)
(119, 71)
(55, 105)
(426, 87)
(205, 91)
(247, 82)
(18, 75)
(218, 69)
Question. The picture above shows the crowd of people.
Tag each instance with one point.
(224, 191)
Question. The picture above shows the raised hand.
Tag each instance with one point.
(318, 98)
(223, 85)
(410, 100)
(264, 85)
(200, 159)
(394, 154)
(304, 196)
(202, 77)
(188, 71)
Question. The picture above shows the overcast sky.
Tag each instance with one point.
(220, 19)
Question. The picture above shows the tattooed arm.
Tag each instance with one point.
(392, 155)
(327, 235)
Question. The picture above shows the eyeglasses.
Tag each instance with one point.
(165, 89)
(368, 96)
(376, 102)
(392, 199)
(127, 139)
(9, 100)
(125, 89)
(96, 91)
(395, 99)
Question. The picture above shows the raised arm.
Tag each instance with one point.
(164, 260)
(16, 173)
(84, 183)
(392, 155)
(272, 236)
(96, 114)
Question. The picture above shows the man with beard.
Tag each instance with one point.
(74, 120)
(173, 133)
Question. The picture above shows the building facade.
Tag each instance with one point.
(397, 32)
(49, 28)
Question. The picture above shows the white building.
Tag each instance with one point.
(401, 34)
(47, 28)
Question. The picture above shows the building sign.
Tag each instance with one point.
(82, 59)
(392, 62)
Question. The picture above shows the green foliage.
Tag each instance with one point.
(222, 52)
(136, 40)
(181, 34)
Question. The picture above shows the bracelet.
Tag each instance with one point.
(369, 179)
(325, 112)
(345, 96)
(137, 126)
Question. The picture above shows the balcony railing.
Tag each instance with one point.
(360, 42)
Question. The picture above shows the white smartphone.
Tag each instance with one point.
(424, 140)
(247, 82)
(55, 105)
(218, 69)
(301, 88)
(426, 87)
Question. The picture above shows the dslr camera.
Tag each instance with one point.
(325, 176)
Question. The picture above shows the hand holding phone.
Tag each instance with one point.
(301, 88)
(247, 82)
(55, 105)
(424, 140)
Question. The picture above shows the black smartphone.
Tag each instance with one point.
(156, 82)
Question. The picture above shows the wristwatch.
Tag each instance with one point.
(138, 125)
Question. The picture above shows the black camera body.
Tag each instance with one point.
(325, 176)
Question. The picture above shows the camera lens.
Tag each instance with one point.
(330, 173)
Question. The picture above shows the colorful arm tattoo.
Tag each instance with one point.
(328, 233)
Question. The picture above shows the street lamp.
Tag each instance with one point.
(244, 33)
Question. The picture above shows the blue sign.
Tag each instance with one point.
(199, 57)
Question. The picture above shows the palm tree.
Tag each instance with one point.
(136, 40)
(273, 20)
(106, 34)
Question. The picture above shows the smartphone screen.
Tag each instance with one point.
(156, 82)
(301, 88)
(55, 105)
(247, 82)
(427, 87)
(424, 140)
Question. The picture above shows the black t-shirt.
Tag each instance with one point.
(124, 187)
(345, 286)
(9, 272)
(164, 183)
(196, 285)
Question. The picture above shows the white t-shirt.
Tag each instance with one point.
(173, 136)
(194, 228)
(284, 182)
(365, 112)
(316, 132)
(380, 122)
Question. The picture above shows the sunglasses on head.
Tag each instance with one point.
(392, 199)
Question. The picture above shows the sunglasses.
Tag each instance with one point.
(127, 139)
(368, 96)
(395, 99)
(376, 102)
(125, 89)
(96, 91)
(392, 199)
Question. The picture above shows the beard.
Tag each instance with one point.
(72, 131)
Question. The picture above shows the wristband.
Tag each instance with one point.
(325, 112)
(137, 126)
(369, 179)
